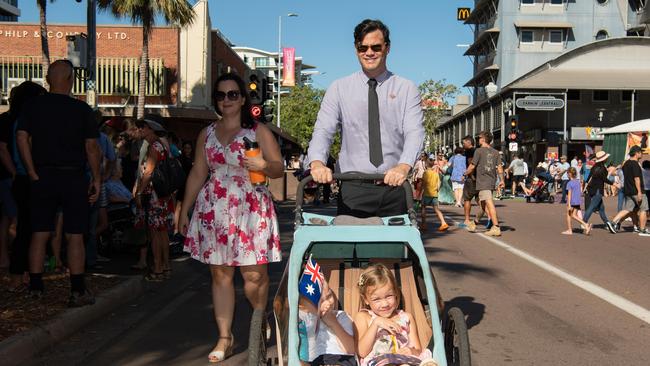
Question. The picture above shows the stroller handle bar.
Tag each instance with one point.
(300, 192)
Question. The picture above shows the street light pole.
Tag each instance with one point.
(279, 75)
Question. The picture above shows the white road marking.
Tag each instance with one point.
(604, 294)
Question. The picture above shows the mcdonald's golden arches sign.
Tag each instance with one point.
(463, 13)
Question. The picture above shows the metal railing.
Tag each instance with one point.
(115, 76)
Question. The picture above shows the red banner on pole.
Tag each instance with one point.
(289, 67)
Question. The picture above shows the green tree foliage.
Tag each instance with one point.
(435, 96)
(144, 12)
(299, 111)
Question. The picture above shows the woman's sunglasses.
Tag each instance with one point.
(232, 95)
(362, 48)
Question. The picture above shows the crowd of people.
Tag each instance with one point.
(62, 167)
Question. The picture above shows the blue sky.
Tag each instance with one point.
(424, 33)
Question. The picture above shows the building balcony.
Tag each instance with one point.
(485, 42)
(115, 76)
(483, 11)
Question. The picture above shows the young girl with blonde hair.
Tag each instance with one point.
(386, 335)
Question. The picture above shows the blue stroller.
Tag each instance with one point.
(343, 250)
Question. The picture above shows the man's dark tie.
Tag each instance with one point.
(374, 130)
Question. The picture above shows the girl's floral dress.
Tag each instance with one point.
(160, 213)
(234, 222)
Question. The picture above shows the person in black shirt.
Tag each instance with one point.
(636, 201)
(6, 200)
(598, 177)
(19, 263)
(469, 187)
(63, 136)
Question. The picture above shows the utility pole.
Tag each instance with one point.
(91, 82)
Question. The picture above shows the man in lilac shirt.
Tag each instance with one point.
(348, 103)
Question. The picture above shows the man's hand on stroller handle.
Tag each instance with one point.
(320, 173)
(396, 175)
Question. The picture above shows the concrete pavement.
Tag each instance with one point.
(517, 312)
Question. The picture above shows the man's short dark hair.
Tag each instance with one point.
(459, 150)
(487, 136)
(369, 26)
(469, 138)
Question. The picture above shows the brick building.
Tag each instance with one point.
(183, 63)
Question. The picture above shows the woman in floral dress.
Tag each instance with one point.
(234, 222)
(153, 212)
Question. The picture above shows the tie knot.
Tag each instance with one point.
(372, 83)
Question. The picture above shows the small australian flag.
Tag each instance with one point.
(311, 281)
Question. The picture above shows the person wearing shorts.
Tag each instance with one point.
(518, 170)
(63, 137)
(635, 200)
(430, 187)
(486, 164)
(458, 165)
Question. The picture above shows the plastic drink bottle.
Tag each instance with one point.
(253, 149)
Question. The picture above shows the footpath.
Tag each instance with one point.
(137, 322)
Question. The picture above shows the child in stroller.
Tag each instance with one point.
(539, 188)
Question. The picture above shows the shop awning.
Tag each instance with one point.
(611, 64)
(642, 125)
(541, 24)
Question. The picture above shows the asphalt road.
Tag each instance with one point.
(532, 297)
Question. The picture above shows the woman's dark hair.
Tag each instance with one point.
(369, 26)
(459, 150)
(247, 120)
(21, 94)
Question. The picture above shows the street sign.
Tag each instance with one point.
(513, 147)
(539, 103)
(462, 13)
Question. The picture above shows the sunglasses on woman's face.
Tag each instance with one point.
(232, 95)
(362, 48)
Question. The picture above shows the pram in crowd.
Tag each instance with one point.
(343, 247)
(540, 188)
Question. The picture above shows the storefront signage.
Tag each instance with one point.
(587, 133)
(58, 34)
(539, 103)
(462, 13)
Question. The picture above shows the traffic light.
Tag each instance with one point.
(256, 112)
(267, 88)
(268, 113)
(514, 122)
(254, 88)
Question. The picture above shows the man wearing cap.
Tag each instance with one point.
(381, 122)
(56, 137)
(635, 201)
(598, 177)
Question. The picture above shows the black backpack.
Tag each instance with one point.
(168, 176)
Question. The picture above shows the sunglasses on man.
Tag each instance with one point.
(362, 48)
(232, 95)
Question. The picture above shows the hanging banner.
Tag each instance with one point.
(637, 139)
(289, 67)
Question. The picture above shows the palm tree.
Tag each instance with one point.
(45, 48)
(177, 12)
